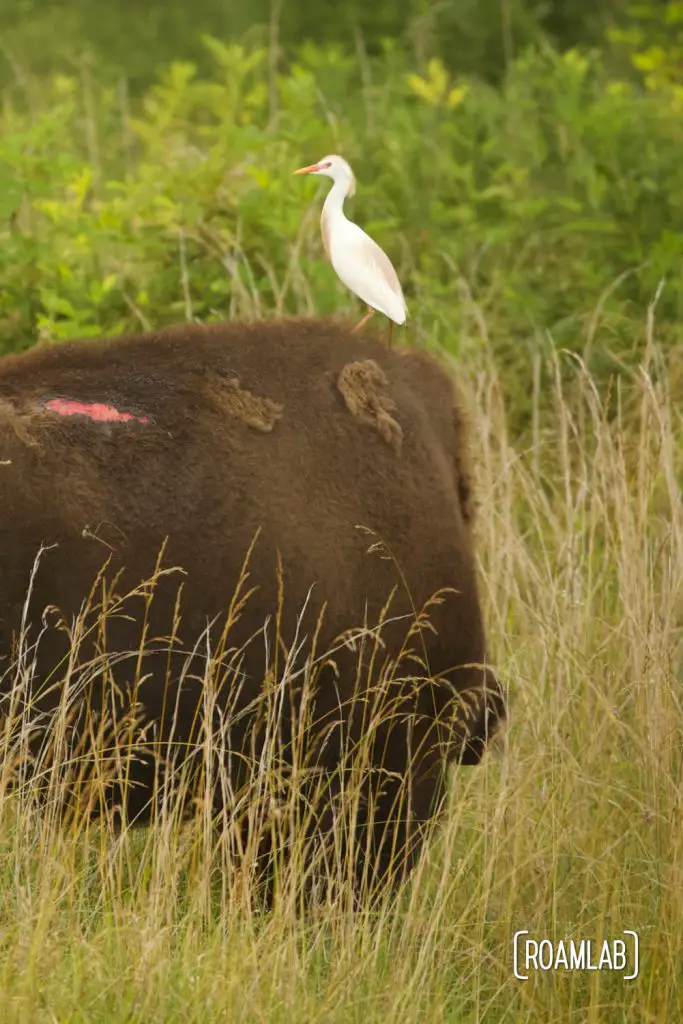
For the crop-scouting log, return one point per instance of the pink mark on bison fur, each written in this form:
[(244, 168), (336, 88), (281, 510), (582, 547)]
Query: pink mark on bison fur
[(93, 410)]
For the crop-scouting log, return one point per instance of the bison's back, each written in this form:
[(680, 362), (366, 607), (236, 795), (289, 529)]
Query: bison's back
[(317, 441)]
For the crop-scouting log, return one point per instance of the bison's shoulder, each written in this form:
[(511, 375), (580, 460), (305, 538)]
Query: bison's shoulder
[(227, 385)]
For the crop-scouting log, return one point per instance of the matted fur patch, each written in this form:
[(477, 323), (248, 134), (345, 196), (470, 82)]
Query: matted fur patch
[(364, 387), (259, 413)]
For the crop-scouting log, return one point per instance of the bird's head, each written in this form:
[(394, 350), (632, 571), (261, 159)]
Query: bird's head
[(334, 167)]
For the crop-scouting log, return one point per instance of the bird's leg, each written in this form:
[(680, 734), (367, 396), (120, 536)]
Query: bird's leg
[(365, 319), (391, 331)]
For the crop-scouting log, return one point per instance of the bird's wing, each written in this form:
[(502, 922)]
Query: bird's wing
[(325, 232), (367, 271)]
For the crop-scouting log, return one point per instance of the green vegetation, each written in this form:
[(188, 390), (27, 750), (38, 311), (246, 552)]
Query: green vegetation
[(126, 38), (531, 197), (548, 210)]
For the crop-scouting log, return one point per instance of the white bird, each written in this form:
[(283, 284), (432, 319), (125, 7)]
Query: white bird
[(359, 262)]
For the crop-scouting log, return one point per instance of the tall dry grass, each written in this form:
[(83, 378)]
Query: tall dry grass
[(572, 827)]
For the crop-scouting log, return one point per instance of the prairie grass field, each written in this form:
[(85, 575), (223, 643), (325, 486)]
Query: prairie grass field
[(532, 205), (570, 828)]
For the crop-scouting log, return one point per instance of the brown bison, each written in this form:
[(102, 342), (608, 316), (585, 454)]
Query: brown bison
[(204, 524)]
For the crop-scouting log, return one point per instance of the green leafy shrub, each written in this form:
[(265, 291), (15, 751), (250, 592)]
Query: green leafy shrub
[(543, 213)]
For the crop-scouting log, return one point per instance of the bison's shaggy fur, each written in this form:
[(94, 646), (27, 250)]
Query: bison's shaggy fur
[(336, 468)]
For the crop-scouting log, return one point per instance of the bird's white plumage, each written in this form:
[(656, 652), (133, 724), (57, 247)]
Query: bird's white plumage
[(358, 261), (365, 269)]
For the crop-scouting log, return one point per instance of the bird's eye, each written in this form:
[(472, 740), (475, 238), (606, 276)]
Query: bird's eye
[(328, 164)]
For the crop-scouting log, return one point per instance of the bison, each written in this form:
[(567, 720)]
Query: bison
[(203, 522)]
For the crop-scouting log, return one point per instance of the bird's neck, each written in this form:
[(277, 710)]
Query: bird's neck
[(334, 202)]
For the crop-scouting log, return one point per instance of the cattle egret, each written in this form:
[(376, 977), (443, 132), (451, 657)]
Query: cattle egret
[(359, 262)]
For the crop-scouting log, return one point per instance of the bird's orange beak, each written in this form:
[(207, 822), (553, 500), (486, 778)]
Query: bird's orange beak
[(307, 170)]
